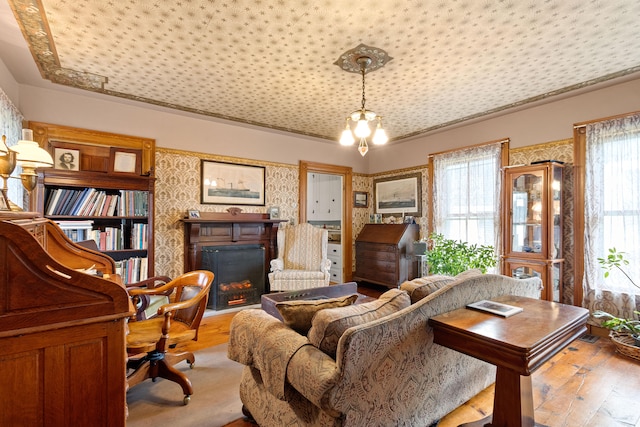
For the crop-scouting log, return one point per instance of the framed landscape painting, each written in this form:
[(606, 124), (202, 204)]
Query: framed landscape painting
[(398, 195), (232, 184)]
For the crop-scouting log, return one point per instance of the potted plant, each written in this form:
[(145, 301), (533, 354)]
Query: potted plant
[(621, 325), (615, 259), (451, 257), (618, 325)]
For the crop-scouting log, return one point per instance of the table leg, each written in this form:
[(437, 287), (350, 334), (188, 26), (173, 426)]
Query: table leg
[(513, 400)]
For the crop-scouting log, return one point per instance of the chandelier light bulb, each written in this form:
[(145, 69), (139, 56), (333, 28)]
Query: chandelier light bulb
[(362, 128), (380, 136), (347, 137)]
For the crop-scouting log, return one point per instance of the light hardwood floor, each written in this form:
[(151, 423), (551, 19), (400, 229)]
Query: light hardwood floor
[(587, 384)]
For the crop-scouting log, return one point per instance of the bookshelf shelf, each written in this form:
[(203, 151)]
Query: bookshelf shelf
[(94, 202)]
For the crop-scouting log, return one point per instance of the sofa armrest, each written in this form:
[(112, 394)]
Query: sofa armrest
[(313, 374), (260, 340)]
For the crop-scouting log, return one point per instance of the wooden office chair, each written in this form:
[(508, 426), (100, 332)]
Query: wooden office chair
[(177, 322), (146, 305)]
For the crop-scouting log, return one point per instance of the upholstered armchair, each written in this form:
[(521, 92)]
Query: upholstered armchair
[(302, 261)]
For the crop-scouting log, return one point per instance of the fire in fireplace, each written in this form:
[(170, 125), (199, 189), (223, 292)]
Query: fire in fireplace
[(239, 274)]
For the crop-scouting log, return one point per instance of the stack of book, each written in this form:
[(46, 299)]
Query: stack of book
[(92, 202), (133, 269)]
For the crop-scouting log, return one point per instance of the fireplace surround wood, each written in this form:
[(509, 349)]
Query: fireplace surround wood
[(222, 229)]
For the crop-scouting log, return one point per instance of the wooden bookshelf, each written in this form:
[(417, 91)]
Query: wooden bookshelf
[(111, 191)]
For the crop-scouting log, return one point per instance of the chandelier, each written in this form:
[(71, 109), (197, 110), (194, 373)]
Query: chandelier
[(363, 59)]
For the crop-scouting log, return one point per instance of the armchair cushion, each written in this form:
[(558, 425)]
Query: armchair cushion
[(298, 314), (303, 248), (328, 325)]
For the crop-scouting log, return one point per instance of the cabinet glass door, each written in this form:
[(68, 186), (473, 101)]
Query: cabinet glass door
[(525, 272), (526, 213), (556, 212)]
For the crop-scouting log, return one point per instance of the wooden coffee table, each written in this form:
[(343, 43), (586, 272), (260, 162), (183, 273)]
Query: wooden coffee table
[(517, 345), (268, 301)]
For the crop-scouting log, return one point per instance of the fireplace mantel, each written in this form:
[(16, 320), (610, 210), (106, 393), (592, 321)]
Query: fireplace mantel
[(224, 229)]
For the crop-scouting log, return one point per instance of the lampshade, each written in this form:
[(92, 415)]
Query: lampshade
[(30, 154)]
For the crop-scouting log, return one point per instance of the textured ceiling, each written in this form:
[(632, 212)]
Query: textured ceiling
[(271, 63)]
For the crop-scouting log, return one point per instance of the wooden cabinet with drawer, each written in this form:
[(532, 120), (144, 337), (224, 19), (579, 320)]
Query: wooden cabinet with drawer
[(384, 254), (334, 253)]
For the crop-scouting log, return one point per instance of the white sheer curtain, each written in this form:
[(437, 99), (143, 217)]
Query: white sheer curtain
[(467, 194), (612, 212), (11, 127)]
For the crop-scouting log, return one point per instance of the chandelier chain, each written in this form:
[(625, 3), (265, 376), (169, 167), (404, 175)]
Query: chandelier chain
[(362, 69)]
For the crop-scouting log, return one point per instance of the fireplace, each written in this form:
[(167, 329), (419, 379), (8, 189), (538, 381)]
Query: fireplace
[(239, 274)]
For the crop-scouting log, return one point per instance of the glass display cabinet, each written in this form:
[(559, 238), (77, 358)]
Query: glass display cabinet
[(533, 225)]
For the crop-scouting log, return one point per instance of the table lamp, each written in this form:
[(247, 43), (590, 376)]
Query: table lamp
[(29, 155)]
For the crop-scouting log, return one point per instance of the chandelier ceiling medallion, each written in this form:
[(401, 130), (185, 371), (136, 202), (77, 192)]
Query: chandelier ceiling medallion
[(363, 59)]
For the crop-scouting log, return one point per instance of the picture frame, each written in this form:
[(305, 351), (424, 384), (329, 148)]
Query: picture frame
[(225, 183), (360, 199), (274, 212), (66, 159), (398, 195), (193, 214), (125, 161)]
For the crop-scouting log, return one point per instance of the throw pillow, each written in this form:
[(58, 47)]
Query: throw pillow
[(298, 314), (327, 326), (423, 286)]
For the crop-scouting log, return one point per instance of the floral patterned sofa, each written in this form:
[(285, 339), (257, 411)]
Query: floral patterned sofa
[(385, 372)]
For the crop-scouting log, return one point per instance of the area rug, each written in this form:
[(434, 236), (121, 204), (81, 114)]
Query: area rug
[(215, 401)]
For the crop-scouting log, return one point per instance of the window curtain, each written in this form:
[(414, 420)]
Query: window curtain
[(11, 127), (466, 195), (612, 213)]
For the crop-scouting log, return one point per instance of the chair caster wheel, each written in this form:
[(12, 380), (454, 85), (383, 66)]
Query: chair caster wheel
[(186, 399), (191, 365)]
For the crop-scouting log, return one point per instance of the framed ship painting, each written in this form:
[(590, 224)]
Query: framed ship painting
[(231, 184), (398, 195)]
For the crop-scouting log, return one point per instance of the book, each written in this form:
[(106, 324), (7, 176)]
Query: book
[(504, 310)]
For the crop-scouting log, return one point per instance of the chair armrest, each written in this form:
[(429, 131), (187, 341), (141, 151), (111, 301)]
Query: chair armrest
[(325, 265), (277, 265), (174, 306), (152, 282)]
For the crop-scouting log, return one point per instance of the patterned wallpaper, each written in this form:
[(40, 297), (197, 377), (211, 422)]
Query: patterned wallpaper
[(178, 190)]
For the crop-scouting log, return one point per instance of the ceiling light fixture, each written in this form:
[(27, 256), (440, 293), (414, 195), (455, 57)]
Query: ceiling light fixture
[(363, 59)]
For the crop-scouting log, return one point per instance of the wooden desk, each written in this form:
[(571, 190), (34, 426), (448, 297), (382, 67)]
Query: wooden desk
[(517, 345), (62, 337)]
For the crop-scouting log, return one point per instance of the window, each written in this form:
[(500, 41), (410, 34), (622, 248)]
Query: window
[(11, 127), (612, 200), (467, 194)]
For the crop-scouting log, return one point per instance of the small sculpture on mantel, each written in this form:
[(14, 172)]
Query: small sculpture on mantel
[(234, 211)]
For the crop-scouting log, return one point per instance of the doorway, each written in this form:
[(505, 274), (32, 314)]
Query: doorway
[(347, 214)]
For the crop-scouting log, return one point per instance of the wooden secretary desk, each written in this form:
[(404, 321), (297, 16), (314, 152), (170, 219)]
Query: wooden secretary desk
[(62, 332)]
